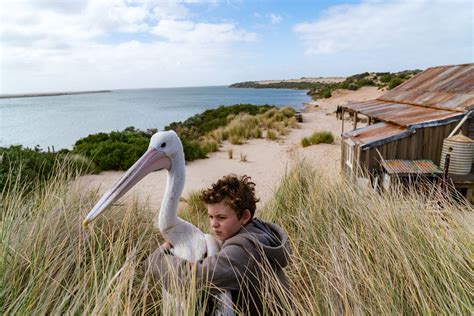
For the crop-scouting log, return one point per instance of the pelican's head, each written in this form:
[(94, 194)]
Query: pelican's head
[(165, 150), (166, 142)]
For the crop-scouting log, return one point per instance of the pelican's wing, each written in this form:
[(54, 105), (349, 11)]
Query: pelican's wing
[(188, 241)]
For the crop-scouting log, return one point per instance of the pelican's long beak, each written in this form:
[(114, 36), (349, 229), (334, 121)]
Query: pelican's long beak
[(151, 160)]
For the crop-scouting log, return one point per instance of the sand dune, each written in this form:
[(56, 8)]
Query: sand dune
[(266, 161)]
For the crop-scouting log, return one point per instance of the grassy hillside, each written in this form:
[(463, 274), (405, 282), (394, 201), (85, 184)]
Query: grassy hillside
[(353, 252)]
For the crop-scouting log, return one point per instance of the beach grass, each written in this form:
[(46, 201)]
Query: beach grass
[(242, 127), (353, 251), (243, 157), (317, 138)]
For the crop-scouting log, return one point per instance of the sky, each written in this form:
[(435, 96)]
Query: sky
[(77, 45)]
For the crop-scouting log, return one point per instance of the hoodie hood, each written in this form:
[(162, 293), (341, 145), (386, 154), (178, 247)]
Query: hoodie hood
[(270, 237)]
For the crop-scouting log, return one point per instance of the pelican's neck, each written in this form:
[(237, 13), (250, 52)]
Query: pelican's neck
[(176, 178)]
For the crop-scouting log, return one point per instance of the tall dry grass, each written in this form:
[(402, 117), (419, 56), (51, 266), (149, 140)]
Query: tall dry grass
[(361, 252), (354, 252), (243, 126)]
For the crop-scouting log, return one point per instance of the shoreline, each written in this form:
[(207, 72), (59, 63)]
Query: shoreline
[(49, 94)]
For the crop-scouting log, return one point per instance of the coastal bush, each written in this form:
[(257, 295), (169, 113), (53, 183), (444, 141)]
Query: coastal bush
[(212, 119), (235, 140), (353, 251), (244, 126), (27, 167), (271, 135), (224, 123), (322, 137), (115, 150), (305, 142), (210, 145), (317, 138), (394, 82)]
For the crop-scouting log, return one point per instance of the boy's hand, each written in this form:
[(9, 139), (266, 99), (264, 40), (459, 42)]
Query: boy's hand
[(166, 245)]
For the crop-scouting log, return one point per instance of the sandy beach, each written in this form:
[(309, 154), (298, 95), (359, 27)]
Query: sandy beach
[(266, 161)]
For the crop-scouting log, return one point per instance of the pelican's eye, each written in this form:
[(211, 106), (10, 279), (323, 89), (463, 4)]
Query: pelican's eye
[(163, 145)]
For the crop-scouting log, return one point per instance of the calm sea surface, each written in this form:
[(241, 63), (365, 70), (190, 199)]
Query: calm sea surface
[(61, 120)]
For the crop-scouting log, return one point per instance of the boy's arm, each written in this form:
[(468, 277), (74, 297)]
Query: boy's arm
[(224, 270)]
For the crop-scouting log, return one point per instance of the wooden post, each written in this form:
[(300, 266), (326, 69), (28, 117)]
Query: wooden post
[(342, 121), (355, 120)]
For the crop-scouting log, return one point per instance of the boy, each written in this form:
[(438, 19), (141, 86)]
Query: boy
[(252, 251)]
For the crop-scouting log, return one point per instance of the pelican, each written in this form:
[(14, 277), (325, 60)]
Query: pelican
[(166, 152)]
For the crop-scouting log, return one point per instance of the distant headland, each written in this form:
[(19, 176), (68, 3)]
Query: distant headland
[(48, 94)]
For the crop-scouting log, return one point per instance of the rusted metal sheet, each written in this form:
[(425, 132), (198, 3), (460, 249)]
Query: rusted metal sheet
[(436, 96), (406, 167), (452, 78), (441, 100), (377, 134), (444, 87), (410, 116)]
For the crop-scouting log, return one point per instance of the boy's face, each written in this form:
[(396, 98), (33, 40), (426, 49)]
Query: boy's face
[(224, 221)]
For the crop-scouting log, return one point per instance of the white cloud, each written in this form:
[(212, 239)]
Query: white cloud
[(275, 18), (187, 31), (423, 28), (95, 44)]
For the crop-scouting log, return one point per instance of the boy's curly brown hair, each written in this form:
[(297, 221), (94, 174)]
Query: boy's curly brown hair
[(236, 192)]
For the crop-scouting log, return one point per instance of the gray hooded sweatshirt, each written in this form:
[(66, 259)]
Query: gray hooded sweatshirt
[(250, 264)]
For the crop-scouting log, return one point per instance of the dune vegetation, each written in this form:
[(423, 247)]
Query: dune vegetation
[(318, 90), (317, 138), (201, 134), (353, 251)]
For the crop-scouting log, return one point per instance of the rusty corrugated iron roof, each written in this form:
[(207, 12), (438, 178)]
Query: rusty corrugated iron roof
[(444, 87), (451, 79), (377, 134), (406, 167), (410, 116), (436, 96)]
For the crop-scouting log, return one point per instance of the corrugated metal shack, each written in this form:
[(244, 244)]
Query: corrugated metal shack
[(411, 121)]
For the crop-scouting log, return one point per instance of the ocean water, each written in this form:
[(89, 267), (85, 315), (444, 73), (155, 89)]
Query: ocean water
[(60, 121)]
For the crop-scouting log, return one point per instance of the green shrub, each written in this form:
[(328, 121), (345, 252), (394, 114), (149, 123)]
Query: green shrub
[(235, 140), (193, 149), (305, 142), (317, 138), (212, 119), (322, 137), (326, 93), (271, 135), (26, 167), (394, 82), (114, 151), (210, 145)]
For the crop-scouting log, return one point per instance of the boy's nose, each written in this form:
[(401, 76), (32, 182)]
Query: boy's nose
[(214, 223)]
